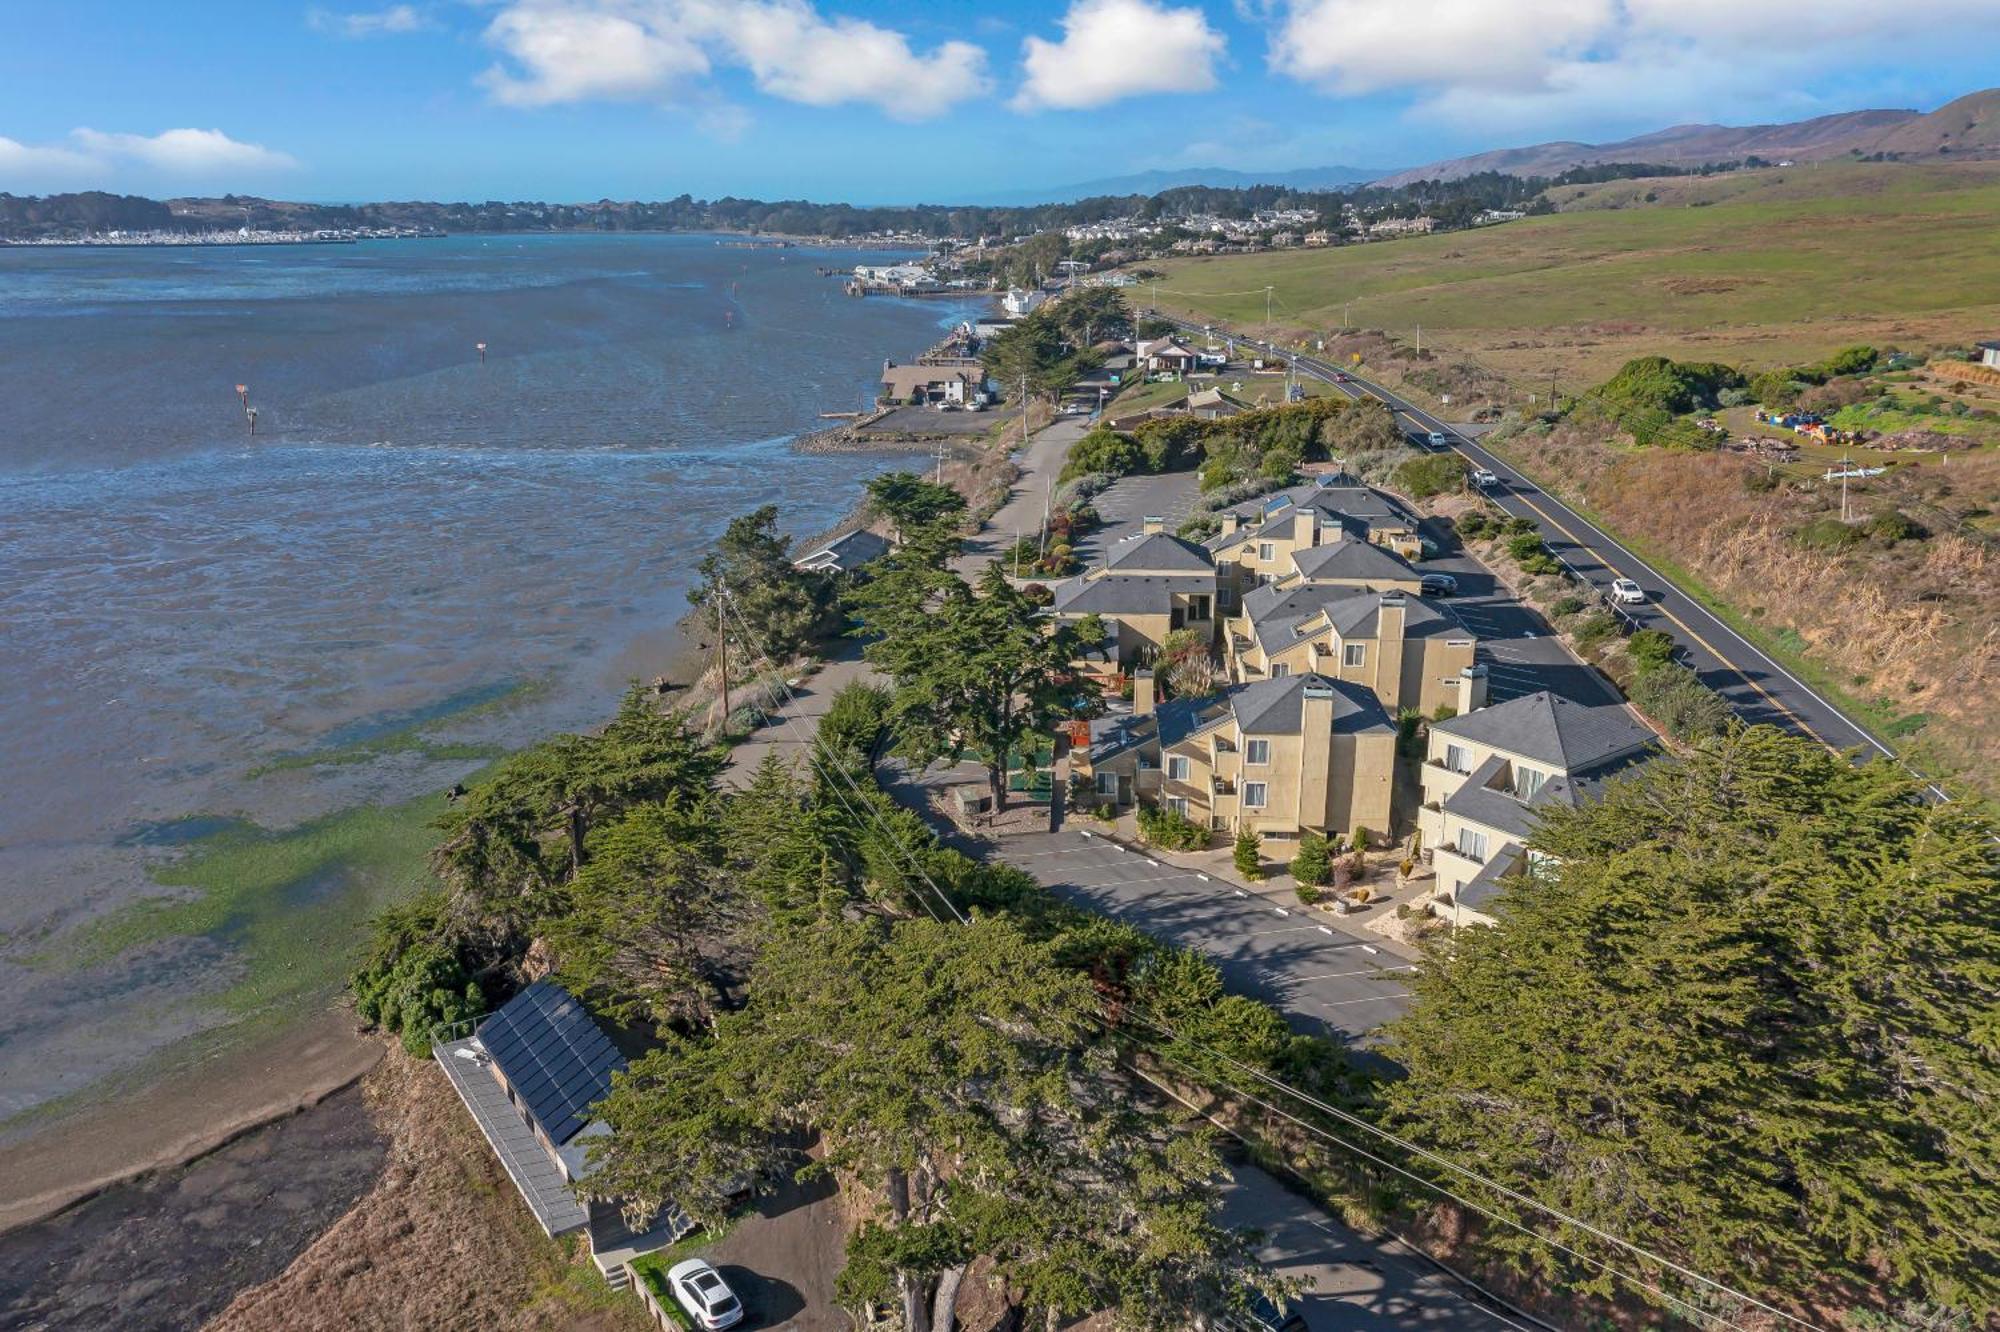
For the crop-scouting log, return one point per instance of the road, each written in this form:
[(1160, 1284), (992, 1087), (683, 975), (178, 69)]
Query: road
[(1758, 688)]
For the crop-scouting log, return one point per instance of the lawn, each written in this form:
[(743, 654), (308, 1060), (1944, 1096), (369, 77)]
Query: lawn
[(1764, 267)]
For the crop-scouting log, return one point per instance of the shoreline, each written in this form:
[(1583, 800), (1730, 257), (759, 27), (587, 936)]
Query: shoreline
[(247, 1083)]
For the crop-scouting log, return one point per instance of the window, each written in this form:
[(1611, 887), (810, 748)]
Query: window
[(1177, 767), (1257, 751), (1253, 795), (1457, 759), (1178, 804), (1354, 654), (1279, 668), (1266, 552), (1527, 782), (1107, 783), (1225, 598), (1197, 608), (1472, 845)]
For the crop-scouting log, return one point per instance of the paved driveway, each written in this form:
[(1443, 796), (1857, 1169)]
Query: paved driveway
[(1353, 1283), (1323, 978)]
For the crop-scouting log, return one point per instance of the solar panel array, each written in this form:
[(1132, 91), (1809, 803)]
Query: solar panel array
[(554, 1055)]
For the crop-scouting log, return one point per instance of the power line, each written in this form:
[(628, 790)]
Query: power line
[(1348, 1117), (813, 757), (1321, 1132)]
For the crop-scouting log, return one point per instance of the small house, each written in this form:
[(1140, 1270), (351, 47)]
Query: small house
[(1989, 355)]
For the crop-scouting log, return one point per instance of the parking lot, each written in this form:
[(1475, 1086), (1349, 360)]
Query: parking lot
[(1323, 977)]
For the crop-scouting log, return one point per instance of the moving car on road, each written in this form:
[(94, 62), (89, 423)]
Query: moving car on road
[(701, 1291), (1437, 439), (1437, 585), (1484, 478), (1627, 593)]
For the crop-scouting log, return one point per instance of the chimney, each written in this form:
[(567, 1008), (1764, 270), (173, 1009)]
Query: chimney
[(1142, 693), (1471, 689), (1316, 753), (1390, 621), (1304, 523), (1230, 522), (1152, 524)]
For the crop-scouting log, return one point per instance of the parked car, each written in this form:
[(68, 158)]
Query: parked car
[(1268, 1317), (1484, 478), (700, 1290), (1437, 585), (1627, 593), (1076, 409), (1437, 439)]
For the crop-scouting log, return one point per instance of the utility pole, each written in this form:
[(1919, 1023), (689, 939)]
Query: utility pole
[(941, 453), (1024, 410), (1845, 468), (1267, 311), (1048, 502), (722, 649), (1420, 339)]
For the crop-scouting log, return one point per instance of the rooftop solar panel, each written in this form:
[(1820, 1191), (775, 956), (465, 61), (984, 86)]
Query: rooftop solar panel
[(554, 1055)]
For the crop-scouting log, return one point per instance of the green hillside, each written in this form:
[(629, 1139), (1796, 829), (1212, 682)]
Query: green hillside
[(1761, 267)]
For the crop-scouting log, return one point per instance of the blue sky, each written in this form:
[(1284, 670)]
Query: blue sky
[(894, 100)]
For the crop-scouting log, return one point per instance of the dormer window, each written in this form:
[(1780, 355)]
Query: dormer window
[(1528, 782)]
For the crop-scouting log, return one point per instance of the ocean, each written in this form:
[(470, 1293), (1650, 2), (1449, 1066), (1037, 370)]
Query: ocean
[(209, 638)]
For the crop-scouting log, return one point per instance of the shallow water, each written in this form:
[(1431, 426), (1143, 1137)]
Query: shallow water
[(411, 536)]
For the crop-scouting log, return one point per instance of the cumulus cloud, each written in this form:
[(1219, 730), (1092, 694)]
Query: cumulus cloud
[(1544, 63), (89, 156), (1112, 49), (577, 50), (367, 23)]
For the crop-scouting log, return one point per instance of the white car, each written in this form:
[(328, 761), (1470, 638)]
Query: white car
[(1438, 440), (707, 1298), (1627, 593), (1484, 478)]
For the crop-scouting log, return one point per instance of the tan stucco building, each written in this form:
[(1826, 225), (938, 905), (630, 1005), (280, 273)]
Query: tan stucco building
[(1259, 537), (1274, 757), (1409, 651), (1148, 586), (1490, 772)]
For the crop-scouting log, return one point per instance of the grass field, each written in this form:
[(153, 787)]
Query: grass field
[(1763, 268)]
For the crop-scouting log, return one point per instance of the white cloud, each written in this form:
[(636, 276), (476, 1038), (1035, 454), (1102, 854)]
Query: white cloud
[(182, 152), (1556, 64), (1363, 46), (573, 53), (367, 23), (90, 158), (578, 50), (1111, 49)]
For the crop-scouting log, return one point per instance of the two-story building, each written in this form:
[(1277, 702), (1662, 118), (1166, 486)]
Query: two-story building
[(1490, 773), (1275, 757), (1148, 586), (1407, 651)]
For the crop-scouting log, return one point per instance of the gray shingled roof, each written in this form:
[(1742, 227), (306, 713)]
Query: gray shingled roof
[(1276, 614), (1353, 507), (1276, 707), (1117, 594), (1158, 550), (1545, 728), (1487, 796), (1491, 879), (1351, 560)]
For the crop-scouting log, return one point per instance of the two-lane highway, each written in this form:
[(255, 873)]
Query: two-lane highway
[(1757, 687)]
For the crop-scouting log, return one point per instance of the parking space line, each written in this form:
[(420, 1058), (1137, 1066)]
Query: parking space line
[(1371, 999), (1365, 971)]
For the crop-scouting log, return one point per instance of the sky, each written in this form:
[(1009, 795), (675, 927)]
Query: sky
[(897, 101)]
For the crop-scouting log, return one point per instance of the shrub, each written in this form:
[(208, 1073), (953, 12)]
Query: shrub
[(1474, 525), (1566, 605), (1651, 647), (1170, 829), (1827, 534), (1891, 526), (1672, 696), (1310, 893), (1517, 525), (1593, 629), (1249, 862), (1431, 475), (1103, 450), (1312, 863), (1760, 482), (1524, 545), (413, 979)]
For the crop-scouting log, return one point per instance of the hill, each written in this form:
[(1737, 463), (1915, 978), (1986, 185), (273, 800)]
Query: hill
[(1224, 178), (1764, 267), (1968, 126)]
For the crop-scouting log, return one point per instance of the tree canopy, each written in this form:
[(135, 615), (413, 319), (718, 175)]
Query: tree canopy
[(782, 607), (1746, 1012)]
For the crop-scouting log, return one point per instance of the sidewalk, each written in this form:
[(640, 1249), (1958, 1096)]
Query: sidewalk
[(1021, 515)]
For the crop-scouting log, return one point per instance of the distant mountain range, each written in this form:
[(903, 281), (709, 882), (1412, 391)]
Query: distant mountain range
[(1968, 127), (1220, 178)]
